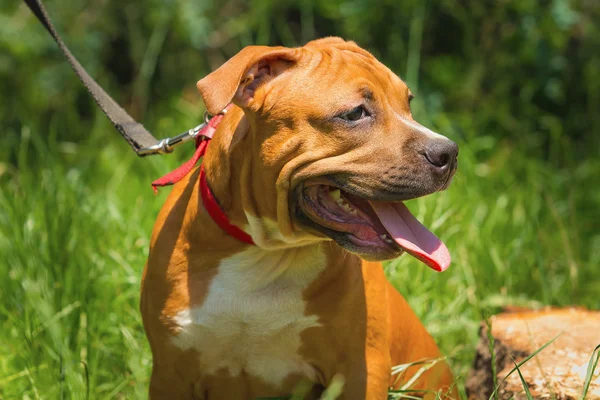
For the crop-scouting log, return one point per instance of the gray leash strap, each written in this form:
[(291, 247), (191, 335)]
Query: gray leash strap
[(140, 140)]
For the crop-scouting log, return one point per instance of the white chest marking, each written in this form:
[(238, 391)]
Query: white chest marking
[(253, 314)]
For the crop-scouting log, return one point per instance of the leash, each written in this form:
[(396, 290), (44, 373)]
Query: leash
[(140, 140)]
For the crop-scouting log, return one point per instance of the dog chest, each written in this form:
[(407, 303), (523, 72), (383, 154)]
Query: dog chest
[(253, 315)]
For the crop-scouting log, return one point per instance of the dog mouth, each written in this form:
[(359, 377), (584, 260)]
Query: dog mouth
[(371, 228)]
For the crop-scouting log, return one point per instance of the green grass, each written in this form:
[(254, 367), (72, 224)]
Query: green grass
[(591, 370), (75, 219)]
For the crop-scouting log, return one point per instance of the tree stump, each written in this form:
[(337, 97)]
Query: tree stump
[(557, 372)]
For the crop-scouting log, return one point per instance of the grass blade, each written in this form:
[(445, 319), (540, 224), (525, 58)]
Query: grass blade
[(395, 395), (335, 388), (590, 371), (494, 393), (525, 386), (418, 374), (491, 345)]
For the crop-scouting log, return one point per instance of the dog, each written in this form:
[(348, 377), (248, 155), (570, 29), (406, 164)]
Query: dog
[(312, 163)]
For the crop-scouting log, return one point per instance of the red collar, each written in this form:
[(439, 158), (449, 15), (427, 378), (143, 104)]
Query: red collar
[(208, 199)]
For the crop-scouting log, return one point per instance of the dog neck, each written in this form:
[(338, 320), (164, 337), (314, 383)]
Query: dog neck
[(203, 244), (254, 197)]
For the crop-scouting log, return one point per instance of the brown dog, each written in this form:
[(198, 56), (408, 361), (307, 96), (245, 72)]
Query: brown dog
[(313, 162)]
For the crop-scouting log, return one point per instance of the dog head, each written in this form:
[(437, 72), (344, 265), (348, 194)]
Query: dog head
[(332, 150)]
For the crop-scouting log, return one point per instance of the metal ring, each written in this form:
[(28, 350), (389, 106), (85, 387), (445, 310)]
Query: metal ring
[(207, 117)]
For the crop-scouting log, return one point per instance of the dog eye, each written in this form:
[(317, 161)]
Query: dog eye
[(355, 114)]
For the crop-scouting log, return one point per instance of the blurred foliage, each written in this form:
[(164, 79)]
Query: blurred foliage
[(526, 71)]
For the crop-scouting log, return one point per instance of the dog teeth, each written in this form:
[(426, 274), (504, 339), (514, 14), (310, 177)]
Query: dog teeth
[(386, 238), (335, 194), (345, 206), (340, 201)]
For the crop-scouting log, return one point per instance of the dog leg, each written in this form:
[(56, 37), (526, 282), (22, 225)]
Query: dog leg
[(168, 383), (411, 342)]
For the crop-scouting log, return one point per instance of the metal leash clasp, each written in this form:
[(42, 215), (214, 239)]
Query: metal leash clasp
[(166, 145)]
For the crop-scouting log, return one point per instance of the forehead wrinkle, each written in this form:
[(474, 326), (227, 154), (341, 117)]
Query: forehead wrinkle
[(334, 68), (352, 58), (396, 91), (334, 64), (323, 68), (378, 74), (316, 80)]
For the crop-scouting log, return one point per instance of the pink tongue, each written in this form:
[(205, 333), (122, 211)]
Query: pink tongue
[(411, 235)]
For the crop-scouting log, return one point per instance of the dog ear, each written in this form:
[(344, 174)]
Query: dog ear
[(239, 77)]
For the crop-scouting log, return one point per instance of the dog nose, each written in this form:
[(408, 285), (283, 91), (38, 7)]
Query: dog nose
[(441, 153)]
